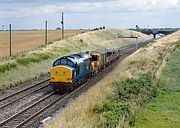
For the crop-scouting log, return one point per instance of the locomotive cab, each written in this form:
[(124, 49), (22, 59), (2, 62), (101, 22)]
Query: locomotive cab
[(63, 70)]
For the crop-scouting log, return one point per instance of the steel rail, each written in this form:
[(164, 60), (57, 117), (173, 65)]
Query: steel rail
[(40, 111), (20, 91), (33, 91), (22, 111)]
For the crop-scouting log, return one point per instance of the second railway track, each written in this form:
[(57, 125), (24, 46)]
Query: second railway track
[(23, 92), (17, 119)]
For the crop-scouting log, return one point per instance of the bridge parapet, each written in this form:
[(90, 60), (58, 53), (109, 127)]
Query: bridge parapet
[(156, 31)]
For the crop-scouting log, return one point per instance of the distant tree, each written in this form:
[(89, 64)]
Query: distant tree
[(137, 27), (104, 27), (96, 29), (58, 28)]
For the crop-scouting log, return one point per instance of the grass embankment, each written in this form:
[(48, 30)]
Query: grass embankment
[(164, 111), (35, 63), (116, 100)]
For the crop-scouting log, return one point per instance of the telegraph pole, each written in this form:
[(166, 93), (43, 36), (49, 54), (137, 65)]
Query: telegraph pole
[(62, 23), (10, 41), (46, 32)]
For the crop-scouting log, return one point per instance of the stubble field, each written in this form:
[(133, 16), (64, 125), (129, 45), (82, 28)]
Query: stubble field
[(25, 40)]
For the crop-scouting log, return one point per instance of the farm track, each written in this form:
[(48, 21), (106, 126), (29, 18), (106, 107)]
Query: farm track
[(32, 115)]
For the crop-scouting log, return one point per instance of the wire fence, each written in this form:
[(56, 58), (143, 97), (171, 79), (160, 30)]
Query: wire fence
[(23, 41)]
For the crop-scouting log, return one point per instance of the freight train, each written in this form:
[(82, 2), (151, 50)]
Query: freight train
[(69, 72)]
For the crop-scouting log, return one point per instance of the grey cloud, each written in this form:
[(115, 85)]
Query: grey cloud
[(83, 13), (48, 1)]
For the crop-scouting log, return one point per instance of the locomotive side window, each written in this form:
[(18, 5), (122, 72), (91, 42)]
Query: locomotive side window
[(56, 63), (63, 61), (85, 67), (94, 57), (78, 70), (109, 54), (70, 63)]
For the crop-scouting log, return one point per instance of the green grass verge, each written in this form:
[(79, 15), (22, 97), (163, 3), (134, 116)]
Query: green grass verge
[(129, 93), (38, 58), (164, 111)]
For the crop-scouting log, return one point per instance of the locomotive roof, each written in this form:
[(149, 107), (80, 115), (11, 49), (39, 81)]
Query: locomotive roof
[(77, 58)]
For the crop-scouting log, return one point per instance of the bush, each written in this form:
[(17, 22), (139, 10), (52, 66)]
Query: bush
[(127, 92), (26, 61), (7, 67), (37, 58), (43, 57), (112, 111), (131, 87)]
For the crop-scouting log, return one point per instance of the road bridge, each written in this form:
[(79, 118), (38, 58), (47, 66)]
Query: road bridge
[(156, 31)]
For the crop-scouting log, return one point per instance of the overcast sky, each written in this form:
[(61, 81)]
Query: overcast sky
[(30, 14)]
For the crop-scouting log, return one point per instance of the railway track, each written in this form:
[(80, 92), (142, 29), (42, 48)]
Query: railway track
[(18, 119), (33, 114), (16, 96)]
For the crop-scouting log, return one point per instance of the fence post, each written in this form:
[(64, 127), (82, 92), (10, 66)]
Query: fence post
[(46, 32), (10, 41), (62, 22)]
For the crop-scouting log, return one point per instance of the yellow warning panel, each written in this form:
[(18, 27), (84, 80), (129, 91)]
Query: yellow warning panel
[(61, 74)]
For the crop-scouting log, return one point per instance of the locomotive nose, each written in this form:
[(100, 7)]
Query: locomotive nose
[(61, 74)]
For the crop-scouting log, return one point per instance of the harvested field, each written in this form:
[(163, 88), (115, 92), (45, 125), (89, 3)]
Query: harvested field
[(25, 40)]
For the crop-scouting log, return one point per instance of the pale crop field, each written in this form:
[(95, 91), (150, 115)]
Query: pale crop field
[(25, 40)]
